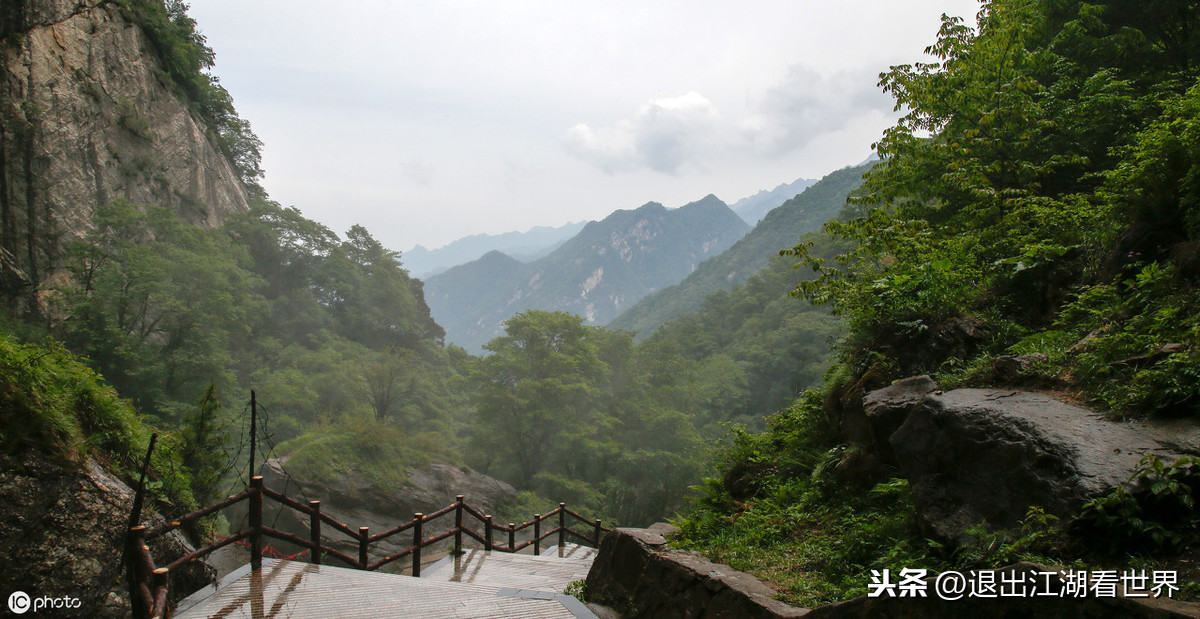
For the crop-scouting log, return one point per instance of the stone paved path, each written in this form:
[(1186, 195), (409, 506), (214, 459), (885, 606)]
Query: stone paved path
[(551, 572), (478, 584)]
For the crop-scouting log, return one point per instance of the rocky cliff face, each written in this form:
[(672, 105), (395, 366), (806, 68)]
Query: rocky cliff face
[(87, 117), (61, 534)]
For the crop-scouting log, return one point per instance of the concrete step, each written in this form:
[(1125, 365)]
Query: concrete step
[(550, 572), (300, 590)]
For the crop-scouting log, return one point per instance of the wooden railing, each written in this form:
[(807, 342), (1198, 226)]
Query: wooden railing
[(149, 584)]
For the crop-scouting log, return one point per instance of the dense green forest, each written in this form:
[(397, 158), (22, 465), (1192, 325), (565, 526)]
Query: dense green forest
[(779, 228), (1042, 182), (334, 336)]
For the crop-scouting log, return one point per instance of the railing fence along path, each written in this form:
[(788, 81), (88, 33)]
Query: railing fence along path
[(149, 584)]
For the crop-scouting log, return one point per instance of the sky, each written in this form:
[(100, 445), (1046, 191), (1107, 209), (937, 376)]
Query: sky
[(427, 121)]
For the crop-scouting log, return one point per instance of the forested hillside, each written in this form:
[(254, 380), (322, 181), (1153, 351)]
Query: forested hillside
[(778, 230), (525, 246), (184, 315), (1036, 198), (605, 268), (754, 208)]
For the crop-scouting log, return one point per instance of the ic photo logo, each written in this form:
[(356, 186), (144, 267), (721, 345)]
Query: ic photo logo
[(20, 603)]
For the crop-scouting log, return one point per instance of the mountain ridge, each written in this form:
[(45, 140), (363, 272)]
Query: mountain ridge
[(777, 230), (606, 267), (525, 246), (754, 208)]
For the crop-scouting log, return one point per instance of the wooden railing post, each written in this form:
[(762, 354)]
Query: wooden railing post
[(133, 572), (162, 585), (487, 532), (562, 525), (363, 535), (139, 497), (314, 531), (596, 532), (537, 534), (418, 539), (458, 510), (512, 537), (256, 522)]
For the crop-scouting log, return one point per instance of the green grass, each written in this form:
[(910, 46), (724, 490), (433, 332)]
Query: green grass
[(381, 452), (50, 401)]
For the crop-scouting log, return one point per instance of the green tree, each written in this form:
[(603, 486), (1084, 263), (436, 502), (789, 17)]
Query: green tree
[(537, 383), (203, 437), (157, 305)]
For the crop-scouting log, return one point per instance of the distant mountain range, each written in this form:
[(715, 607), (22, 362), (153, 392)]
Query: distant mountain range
[(601, 271), (781, 228), (753, 208), (524, 246)]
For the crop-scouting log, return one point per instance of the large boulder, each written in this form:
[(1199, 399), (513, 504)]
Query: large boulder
[(984, 456), (637, 573), (62, 528)]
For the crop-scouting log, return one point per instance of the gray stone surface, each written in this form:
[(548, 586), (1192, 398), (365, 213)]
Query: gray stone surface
[(636, 573), (985, 455), (89, 118), (1015, 368), (61, 533)]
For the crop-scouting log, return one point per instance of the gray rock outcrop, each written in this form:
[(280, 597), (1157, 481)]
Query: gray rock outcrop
[(638, 574), (62, 528), (985, 456)]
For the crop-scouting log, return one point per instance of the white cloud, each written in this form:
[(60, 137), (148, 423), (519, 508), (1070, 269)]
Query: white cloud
[(420, 171), (663, 136), (808, 104)]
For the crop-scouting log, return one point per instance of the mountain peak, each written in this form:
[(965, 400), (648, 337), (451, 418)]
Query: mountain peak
[(605, 268), (709, 201)]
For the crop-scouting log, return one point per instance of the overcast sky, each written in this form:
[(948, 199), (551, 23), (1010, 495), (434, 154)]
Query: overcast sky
[(429, 121)]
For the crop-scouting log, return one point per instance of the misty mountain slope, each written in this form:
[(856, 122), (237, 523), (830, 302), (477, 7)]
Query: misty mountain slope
[(526, 246), (604, 269), (779, 229), (754, 208)]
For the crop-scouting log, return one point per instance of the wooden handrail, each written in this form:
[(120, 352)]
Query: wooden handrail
[(331, 521), (285, 500), (206, 550), (148, 583), (439, 513), (475, 536), (474, 512), (393, 531), (167, 527), (287, 537)]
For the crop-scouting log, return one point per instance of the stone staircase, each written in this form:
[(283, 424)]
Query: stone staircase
[(474, 584)]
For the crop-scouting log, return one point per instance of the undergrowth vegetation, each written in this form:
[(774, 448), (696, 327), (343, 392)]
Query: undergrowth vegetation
[(784, 512), (52, 402)]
